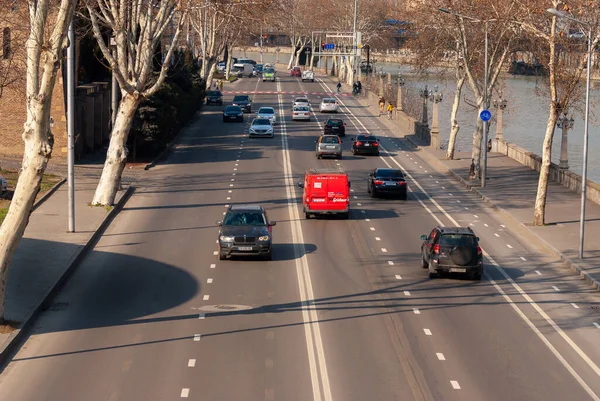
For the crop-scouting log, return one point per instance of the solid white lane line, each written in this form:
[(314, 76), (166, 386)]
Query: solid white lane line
[(427, 332), (391, 263), (407, 293), (398, 277), (377, 239), (416, 311), (314, 342), (555, 288), (508, 245), (201, 316), (574, 305), (455, 384), (440, 356), (197, 337), (383, 250), (206, 297), (191, 363), (209, 281), (213, 265), (538, 273), (497, 235), (185, 392), (597, 325)]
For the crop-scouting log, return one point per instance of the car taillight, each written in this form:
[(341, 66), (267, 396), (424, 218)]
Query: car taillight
[(378, 182), (401, 182), (375, 144), (436, 248), (358, 143), (479, 251)]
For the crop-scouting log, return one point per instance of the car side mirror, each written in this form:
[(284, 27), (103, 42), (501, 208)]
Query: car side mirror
[(300, 185), (424, 237), (272, 223), (219, 223), (477, 238)]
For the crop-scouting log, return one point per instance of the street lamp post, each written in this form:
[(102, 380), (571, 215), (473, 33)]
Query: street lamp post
[(424, 93), (559, 14), (565, 123), (400, 82), (435, 97), (500, 105)]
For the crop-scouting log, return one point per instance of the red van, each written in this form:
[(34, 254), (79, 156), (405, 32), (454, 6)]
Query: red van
[(326, 192)]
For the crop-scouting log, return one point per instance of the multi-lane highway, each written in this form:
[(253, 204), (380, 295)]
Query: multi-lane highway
[(343, 312)]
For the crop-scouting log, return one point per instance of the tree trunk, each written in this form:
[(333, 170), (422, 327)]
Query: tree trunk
[(228, 65), (35, 159), (455, 126), (294, 42), (539, 211), (211, 73), (476, 152), (117, 152)]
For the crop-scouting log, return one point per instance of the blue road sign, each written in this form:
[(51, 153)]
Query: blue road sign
[(329, 46), (485, 115)]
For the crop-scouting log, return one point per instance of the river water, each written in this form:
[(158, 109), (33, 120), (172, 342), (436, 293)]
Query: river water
[(525, 117)]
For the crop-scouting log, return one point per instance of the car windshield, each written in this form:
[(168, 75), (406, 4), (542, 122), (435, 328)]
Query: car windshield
[(268, 70), (389, 174), (457, 240), (232, 109), (213, 93), (301, 108), (240, 99), (266, 110), (335, 123), (328, 100), (261, 121), (245, 219), (329, 139)]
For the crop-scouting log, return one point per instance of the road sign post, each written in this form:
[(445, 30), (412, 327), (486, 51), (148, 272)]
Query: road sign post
[(485, 116)]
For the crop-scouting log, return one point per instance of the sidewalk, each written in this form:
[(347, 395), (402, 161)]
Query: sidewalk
[(47, 253), (511, 189)]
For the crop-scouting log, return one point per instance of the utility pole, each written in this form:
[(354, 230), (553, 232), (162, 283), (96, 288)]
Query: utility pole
[(355, 36), (71, 128)]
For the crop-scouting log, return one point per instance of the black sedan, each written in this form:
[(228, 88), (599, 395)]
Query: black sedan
[(245, 230), (365, 144), (244, 102), (387, 181), (214, 97), (335, 126), (233, 113)]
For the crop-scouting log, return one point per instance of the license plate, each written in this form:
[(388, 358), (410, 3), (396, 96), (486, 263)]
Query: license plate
[(245, 248), (316, 200), (329, 147), (390, 184), (457, 270), (366, 144)]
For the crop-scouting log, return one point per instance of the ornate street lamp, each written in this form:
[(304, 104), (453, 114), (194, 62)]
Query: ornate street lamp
[(400, 82), (565, 123), (500, 105), (435, 97), (424, 94)]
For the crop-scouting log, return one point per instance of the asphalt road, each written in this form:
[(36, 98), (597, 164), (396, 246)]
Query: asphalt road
[(343, 312)]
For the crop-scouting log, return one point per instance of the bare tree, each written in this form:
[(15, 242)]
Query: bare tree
[(137, 29), (563, 81), (48, 23), (12, 54)]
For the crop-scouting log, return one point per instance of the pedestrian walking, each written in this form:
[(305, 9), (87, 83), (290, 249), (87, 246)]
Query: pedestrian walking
[(359, 86), (390, 109), (339, 87), (381, 105), (489, 145), (220, 84)]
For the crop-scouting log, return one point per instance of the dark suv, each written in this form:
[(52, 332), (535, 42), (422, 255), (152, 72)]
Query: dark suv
[(335, 126), (452, 250), (245, 230), (214, 97), (244, 102)]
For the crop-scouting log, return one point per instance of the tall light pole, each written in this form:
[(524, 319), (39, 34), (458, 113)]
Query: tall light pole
[(560, 14), (486, 103), (355, 67), (71, 128)]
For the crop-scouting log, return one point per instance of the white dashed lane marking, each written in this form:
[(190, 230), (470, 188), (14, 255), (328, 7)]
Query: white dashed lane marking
[(440, 356), (597, 325), (538, 273), (201, 316), (574, 305), (398, 277), (455, 384), (209, 281), (185, 392), (497, 235), (215, 253), (555, 288), (206, 297), (383, 250), (416, 311), (407, 293), (359, 204), (475, 216), (367, 219), (372, 228), (427, 332), (523, 259), (191, 363), (197, 337), (390, 263), (508, 245), (377, 239), (485, 224), (213, 266)]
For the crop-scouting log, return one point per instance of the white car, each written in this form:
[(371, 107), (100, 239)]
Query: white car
[(268, 113), (308, 75), (3, 185), (301, 113), (301, 101), (261, 127), (328, 105)]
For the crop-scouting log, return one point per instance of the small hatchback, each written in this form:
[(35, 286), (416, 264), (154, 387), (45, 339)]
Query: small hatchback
[(296, 72), (329, 146), (215, 97), (245, 230), (452, 250), (233, 113), (326, 192), (328, 105)]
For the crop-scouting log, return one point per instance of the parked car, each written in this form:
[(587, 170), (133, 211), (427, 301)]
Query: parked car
[(233, 113), (452, 250), (301, 101), (326, 192), (261, 127), (334, 126), (328, 105), (243, 70), (268, 113), (301, 113), (308, 75), (258, 69), (244, 102), (268, 73), (245, 230), (221, 66), (214, 97), (387, 181), (296, 72), (365, 144), (329, 146), (3, 185)]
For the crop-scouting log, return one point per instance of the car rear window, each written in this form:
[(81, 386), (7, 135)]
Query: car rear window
[(457, 240), (301, 108), (335, 123), (232, 108), (330, 139), (328, 100), (390, 174), (261, 121), (365, 138), (266, 110), (244, 219), (240, 98), (213, 93)]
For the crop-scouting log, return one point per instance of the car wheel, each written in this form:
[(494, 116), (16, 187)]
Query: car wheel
[(224, 120), (476, 276), (404, 196), (345, 215), (307, 215), (312, 80), (269, 255), (222, 257), (373, 193), (432, 273), (353, 151), (377, 154), (319, 156)]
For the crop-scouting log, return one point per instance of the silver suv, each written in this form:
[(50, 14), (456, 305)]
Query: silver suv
[(329, 145)]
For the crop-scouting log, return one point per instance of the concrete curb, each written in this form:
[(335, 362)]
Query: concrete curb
[(507, 215), (48, 194), (13, 343)]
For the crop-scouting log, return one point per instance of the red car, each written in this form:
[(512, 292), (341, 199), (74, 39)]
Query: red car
[(326, 192), (296, 72)]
